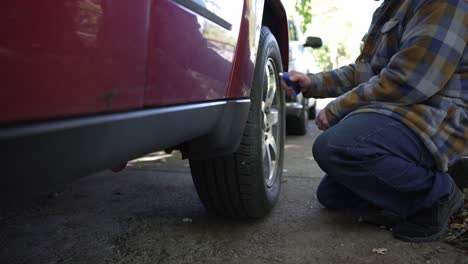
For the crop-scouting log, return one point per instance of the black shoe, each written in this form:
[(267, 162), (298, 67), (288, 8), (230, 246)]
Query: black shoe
[(381, 218), (458, 172), (431, 223)]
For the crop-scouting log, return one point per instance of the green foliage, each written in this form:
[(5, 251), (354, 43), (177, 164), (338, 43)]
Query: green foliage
[(340, 30), (304, 8), (322, 58), (342, 53)]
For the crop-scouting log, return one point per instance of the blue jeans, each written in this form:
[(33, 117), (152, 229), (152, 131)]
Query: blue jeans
[(373, 159)]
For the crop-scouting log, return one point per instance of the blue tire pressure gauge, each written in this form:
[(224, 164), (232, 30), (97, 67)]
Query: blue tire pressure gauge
[(294, 85)]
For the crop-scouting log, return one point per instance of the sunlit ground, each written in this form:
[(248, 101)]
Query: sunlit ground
[(160, 155)]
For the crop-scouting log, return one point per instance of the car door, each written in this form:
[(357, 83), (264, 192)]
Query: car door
[(71, 58), (192, 47)]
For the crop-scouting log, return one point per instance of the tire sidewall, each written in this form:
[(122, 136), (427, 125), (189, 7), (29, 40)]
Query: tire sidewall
[(268, 48)]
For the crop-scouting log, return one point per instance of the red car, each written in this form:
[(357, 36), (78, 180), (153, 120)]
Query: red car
[(91, 84)]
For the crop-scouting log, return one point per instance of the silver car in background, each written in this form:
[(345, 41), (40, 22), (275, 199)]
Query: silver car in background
[(298, 108)]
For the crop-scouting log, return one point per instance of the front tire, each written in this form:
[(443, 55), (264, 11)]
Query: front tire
[(246, 184)]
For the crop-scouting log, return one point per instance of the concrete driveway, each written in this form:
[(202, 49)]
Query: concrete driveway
[(150, 213)]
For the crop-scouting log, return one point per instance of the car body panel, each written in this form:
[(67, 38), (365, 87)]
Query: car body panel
[(82, 57), (191, 56), (246, 50), (40, 155), (246, 53), (71, 58), (89, 84)]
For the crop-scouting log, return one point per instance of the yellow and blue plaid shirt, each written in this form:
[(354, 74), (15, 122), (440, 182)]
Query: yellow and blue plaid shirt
[(414, 68)]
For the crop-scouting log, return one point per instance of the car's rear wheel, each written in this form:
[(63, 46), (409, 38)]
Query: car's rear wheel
[(312, 111), (297, 125), (246, 184)]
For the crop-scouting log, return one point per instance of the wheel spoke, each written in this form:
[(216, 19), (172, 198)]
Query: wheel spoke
[(271, 84), (272, 117), (270, 93), (267, 163), (272, 147)]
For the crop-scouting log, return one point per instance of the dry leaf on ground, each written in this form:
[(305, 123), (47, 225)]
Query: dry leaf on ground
[(380, 251)]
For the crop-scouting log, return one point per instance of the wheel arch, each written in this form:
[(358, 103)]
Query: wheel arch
[(256, 13), (275, 18)]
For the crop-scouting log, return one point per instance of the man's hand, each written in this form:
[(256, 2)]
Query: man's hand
[(322, 121), (301, 79)]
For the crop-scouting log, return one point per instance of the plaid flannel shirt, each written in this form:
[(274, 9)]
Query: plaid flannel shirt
[(414, 68)]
